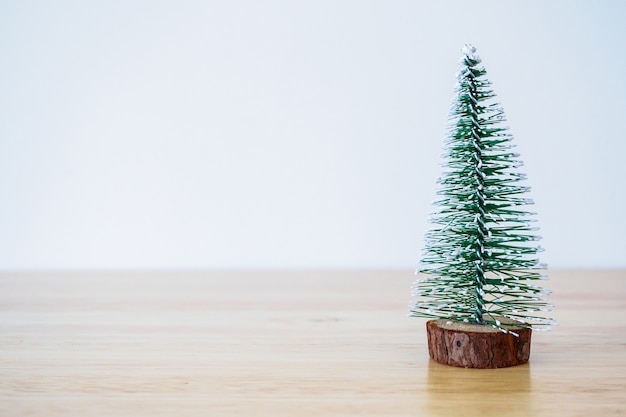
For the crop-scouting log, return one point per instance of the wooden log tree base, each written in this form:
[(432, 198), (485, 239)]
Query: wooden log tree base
[(470, 345)]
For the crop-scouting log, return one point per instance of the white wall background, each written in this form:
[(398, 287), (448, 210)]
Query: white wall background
[(216, 134)]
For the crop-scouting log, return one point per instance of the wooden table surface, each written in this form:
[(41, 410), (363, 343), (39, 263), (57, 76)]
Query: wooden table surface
[(287, 343)]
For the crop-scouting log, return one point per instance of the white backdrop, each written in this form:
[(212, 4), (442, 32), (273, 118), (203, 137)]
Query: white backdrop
[(295, 134)]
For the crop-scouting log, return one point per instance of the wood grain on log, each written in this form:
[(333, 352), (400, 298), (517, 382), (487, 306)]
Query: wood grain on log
[(471, 345)]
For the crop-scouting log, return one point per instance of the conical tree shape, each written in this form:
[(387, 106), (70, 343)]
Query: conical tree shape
[(479, 259)]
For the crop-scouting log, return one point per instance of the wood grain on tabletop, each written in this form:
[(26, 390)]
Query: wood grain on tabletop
[(287, 343)]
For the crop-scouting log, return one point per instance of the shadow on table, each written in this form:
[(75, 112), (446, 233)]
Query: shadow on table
[(478, 392)]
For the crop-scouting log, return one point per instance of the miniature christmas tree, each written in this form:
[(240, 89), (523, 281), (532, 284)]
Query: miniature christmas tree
[(479, 260)]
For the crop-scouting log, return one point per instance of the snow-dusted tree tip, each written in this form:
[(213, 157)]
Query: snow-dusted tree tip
[(470, 52)]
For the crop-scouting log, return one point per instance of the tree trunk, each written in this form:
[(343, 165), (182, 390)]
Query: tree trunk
[(469, 345)]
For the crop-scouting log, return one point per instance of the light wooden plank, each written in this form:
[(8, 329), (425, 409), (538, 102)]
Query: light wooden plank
[(286, 343)]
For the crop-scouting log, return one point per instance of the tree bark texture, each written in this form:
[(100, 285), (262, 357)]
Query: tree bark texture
[(470, 345)]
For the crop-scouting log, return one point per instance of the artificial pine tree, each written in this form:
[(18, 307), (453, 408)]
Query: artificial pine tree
[(479, 260)]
